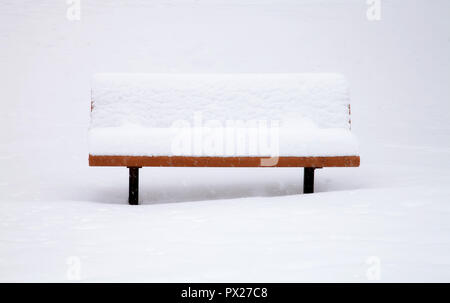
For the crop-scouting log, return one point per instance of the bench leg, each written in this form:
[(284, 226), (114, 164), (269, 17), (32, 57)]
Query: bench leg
[(133, 191), (308, 180)]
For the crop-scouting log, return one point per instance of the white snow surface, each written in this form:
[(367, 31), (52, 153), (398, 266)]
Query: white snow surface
[(221, 141), (148, 114), (159, 100), (390, 216)]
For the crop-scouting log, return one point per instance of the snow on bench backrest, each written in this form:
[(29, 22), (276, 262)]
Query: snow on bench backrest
[(159, 100)]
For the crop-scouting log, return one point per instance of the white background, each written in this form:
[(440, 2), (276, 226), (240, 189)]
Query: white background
[(199, 225)]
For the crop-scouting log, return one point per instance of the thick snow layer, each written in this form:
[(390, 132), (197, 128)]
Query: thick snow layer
[(310, 110), (141, 141), (159, 100), (60, 217)]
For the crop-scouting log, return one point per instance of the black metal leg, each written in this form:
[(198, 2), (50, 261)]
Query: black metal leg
[(133, 192), (308, 180)]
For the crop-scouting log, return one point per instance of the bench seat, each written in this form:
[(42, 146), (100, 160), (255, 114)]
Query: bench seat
[(186, 161), (140, 142)]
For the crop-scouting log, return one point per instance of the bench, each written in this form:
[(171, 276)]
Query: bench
[(221, 120)]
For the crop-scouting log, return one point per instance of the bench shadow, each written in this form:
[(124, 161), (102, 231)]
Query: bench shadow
[(197, 193), (177, 189)]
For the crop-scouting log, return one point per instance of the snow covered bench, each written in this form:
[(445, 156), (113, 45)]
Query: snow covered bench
[(221, 120)]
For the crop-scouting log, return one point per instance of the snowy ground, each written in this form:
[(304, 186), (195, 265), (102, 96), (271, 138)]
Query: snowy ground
[(202, 224)]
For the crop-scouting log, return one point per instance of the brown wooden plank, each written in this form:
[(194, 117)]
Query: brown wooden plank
[(183, 161)]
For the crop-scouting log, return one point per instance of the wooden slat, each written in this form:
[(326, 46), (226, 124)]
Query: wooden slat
[(183, 161)]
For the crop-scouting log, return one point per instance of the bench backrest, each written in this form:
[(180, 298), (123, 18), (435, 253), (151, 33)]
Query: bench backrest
[(158, 100)]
